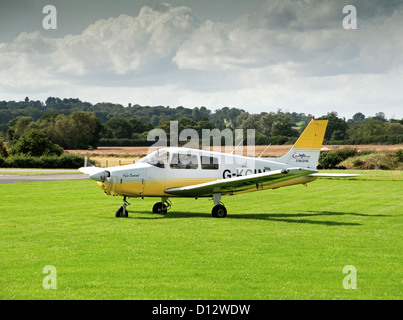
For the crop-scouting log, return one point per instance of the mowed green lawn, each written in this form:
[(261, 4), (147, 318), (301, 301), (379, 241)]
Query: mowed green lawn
[(288, 243)]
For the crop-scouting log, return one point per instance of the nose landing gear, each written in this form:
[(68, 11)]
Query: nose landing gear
[(122, 211)]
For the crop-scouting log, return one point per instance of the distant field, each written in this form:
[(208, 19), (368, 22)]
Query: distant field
[(288, 243), (113, 156)]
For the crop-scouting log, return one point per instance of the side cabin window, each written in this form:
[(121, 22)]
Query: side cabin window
[(158, 159), (184, 161), (209, 163)]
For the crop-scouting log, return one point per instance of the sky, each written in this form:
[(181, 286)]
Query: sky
[(261, 56)]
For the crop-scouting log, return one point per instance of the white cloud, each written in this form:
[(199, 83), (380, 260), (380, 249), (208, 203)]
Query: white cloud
[(114, 46), (285, 54), (307, 34)]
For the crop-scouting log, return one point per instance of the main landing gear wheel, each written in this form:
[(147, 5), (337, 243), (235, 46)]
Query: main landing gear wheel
[(122, 211), (219, 211), (162, 207)]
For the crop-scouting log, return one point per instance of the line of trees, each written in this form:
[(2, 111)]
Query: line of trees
[(73, 124), (80, 130)]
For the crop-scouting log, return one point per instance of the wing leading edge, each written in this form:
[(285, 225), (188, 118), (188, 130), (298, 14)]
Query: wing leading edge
[(239, 184)]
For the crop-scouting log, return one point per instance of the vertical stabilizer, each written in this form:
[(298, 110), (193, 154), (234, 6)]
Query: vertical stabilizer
[(305, 152)]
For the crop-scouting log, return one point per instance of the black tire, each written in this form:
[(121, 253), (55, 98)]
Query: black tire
[(160, 208), (121, 213), (125, 213), (219, 211)]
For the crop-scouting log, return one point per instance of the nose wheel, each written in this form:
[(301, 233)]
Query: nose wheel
[(122, 211)]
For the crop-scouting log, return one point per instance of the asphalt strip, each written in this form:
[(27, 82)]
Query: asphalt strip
[(44, 177)]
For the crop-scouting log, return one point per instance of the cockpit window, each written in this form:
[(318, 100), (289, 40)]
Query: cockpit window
[(158, 159), (184, 161)]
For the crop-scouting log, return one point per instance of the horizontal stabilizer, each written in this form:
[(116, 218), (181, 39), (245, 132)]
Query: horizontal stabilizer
[(333, 175)]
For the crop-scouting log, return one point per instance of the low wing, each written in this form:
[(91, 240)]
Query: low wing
[(333, 175), (237, 184)]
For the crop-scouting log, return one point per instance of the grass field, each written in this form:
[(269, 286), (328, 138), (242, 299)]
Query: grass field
[(289, 243)]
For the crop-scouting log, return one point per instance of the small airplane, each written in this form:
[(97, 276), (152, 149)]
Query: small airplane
[(193, 173)]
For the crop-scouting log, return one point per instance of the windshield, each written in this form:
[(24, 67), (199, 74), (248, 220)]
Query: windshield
[(157, 158)]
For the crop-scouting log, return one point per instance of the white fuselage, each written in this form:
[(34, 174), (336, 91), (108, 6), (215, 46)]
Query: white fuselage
[(177, 167)]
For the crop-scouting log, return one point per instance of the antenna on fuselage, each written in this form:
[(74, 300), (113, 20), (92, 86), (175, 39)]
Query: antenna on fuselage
[(236, 147), (264, 150)]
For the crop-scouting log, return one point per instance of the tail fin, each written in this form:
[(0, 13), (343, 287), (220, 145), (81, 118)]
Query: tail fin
[(305, 152)]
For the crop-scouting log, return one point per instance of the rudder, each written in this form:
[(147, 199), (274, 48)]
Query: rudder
[(305, 152)]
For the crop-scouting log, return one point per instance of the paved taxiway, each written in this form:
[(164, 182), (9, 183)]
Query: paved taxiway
[(59, 175)]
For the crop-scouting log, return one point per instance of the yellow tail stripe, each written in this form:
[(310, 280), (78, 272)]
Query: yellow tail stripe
[(312, 137)]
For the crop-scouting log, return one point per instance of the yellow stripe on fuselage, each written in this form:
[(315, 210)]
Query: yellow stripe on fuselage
[(156, 188), (151, 188)]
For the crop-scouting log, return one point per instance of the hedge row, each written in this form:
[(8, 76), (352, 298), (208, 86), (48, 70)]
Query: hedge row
[(330, 159), (384, 160), (65, 161), (348, 158)]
